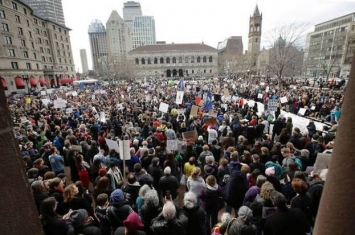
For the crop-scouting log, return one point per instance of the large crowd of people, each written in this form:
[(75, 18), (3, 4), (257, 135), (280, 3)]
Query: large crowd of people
[(241, 172)]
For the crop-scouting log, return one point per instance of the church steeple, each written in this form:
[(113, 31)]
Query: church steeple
[(255, 28), (256, 11)]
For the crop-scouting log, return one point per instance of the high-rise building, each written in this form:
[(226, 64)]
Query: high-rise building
[(98, 42), (48, 9), (131, 9), (255, 23), (142, 27), (330, 48), (143, 31), (118, 39), (84, 61)]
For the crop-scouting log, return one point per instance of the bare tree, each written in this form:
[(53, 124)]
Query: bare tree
[(331, 61), (286, 43)]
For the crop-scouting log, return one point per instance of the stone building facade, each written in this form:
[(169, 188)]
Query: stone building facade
[(175, 60), (34, 52)]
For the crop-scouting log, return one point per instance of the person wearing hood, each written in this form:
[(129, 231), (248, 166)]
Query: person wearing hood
[(311, 127), (241, 225), (131, 226), (155, 171), (172, 220), (196, 215), (118, 211), (80, 223), (211, 201)]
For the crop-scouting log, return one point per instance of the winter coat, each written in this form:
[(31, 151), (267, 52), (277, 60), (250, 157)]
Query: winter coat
[(169, 182), (196, 221), (117, 214), (211, 198), (176, 226)]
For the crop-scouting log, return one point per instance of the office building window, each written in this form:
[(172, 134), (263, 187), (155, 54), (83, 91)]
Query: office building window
[(2, 14), (5, 27), (43, 24), (17, 19), (210, 59), (198, 59), (60, 30), (28, 23), (155, 60), (25, 11), (28, 66), (204, 59), (14, 65), (162, 60), (25, 54), (35, 56), (68, 47), (35, 20), (192, 60), (180, 59), (62, 46), (33, 45), (168, 60), (48, 50), (143, 61), (55, 36), (8, 40), (210, 70), (186, 59), (0, 2), (41, 49), (192, 71), (39, 41), (43, 59), (30, 33), (149, 62), (50, 59), (65, 61), (14, 5), (53, 27), (58, 52), (174, 60), (60, 60), (37, 66), (204, 71), (12, 52), (23, 43), (37, 31)]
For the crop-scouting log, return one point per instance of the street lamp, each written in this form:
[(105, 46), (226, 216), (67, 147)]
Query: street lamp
[(25, 78)]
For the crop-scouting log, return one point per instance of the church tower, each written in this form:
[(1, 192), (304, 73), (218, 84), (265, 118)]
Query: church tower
[(255, 23)]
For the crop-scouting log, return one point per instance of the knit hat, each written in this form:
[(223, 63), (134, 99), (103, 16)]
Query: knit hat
[(133, 223), (78, 217), (102, 172), (270, 171), (245, 213), (116, 197)]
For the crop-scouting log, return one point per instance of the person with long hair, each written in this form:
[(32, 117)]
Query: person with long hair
[(82, 168), (71, 201), (102, 186), (195, 182), (52, 223)]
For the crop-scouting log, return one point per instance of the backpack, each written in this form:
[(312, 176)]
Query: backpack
[(225, 131), (315, 149), (298, 162)]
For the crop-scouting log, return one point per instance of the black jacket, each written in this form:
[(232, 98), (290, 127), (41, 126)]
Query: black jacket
[(117, 214), (176, 226), (156, 173), (169, 182), (289, 221), (131, 193), (196, 221)]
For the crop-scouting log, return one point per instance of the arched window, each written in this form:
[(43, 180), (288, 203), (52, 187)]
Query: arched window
[(155, 60), (174, 60), (149, 62), (198, 59), (210, 59), (186, 59), (168, 60), (137, 61), (180, 59), (162, 60), (204, 59), (192, 59), (143, 61)]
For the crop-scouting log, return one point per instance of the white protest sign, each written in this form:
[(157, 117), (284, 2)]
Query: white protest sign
[(93, 97), (111, 144), (124, 149), (49, 91), (74, 93), (148, 98), (172, 145), (283, 99), (163, 107), (179, 97), (313, 108), (302, 111), (102, 117), (43, 93), (120, 106), (46, 101), (59, 103), (272, 105), (267, 89), (69, 110), (97, 116), (262, 83), (260, 96)]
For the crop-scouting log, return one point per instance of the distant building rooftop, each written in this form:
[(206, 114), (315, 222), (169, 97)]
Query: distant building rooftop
[(175, 47)]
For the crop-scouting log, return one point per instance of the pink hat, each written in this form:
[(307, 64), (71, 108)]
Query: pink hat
[(133, 223), (270, 171)]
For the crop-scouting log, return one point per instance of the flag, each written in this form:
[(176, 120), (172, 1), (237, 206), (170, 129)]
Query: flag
[(81, 86), (208, 101), (181, 85)]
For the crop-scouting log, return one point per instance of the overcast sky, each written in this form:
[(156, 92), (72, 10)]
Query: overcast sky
[(196, 21)]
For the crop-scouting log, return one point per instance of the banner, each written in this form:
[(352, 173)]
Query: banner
[(179, 97), (124, 149), (172, 145), (163, 107), (194, 111)]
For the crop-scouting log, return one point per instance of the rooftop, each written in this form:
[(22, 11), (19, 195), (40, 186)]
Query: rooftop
[(175, 47)]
